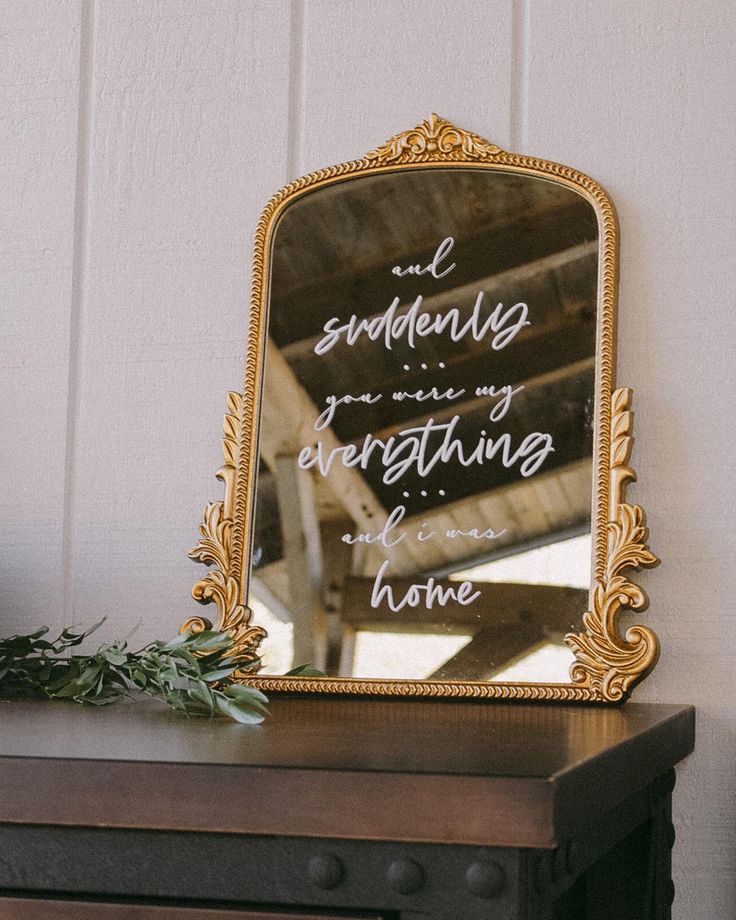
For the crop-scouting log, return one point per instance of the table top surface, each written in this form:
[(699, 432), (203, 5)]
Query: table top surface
[(139, 764), (479, 739)]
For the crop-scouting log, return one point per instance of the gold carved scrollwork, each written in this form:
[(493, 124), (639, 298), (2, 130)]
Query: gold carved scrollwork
[(221, 586), (607, 662), (434, 139)]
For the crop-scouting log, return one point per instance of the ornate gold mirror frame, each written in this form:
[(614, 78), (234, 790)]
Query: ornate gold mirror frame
[(608, 663)]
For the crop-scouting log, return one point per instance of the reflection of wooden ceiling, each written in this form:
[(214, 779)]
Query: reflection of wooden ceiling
[(333, 255), (373, 221)]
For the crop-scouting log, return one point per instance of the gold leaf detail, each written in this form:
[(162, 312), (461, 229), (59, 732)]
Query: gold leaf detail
[(606, 661), (221, 585), (430, 689), (434, 139)]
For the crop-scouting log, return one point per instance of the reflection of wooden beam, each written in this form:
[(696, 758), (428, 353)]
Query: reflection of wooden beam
[(566, 421), (288, 425), (491, 649), (491, 285), (520, 242), (558, 608), (444, 411), (556, 338), (519, 507), (506, 621), (273, 576), (340, 557), (563, 352), (303, 559)]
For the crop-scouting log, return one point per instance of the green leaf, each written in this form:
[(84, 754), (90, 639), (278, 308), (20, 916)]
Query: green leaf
[(244, 692), (177, 642), (114, 655), (305, 670), (232, 710), (204, 696), (218, 675), (176, 672), (209, 639), (89, 674), (67, 691)]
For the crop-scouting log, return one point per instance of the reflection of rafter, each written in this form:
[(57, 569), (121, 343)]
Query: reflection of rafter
[(506, 621), (579, 470), (519, 243), (461, 294), (499, 603), (277, 603), (530, 509), (535, 512), (447, 410), (491, 649), (285, 400)]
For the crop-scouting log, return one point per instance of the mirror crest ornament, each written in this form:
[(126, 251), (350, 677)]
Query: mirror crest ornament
[(608, 663)]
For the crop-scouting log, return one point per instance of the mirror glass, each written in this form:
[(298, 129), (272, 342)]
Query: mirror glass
[(423, 504)]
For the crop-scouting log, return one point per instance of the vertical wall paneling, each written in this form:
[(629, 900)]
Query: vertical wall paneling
[(78, 292), (641, 96), (372, 69), (188, 139), (519, 58), (39, 76)]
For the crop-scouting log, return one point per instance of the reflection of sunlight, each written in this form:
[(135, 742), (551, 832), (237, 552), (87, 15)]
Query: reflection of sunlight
[(403, 656), (277, 649), (549, 663), (564, 563)]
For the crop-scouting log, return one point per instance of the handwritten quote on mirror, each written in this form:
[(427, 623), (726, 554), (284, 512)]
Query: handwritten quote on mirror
[(437, 443)]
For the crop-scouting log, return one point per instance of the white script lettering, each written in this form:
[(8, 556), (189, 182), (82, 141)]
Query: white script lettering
[(442, 250), (324, 420), (506, 393), (430, 593), (504, 322), (476, 534), (410, 449), (424, 395), (384, 536)]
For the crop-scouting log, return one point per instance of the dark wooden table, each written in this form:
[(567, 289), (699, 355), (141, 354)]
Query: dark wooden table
[(339, 809)]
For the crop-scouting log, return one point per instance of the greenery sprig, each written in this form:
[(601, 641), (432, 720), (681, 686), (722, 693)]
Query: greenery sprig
[(192, 673)]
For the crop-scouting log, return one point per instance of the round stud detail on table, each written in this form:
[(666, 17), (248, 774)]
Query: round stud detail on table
[(485, 879), (405, 876), (325, 871)]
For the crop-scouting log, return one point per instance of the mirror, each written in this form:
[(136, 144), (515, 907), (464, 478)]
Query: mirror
[(441, 454)]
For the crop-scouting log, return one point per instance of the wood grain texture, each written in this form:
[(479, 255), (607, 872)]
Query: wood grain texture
[(32, 909), (504, 775), (641, 96), (39, 75)]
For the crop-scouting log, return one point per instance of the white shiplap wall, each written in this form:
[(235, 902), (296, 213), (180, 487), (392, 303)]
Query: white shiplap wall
[(40, 61), (140, 139)]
